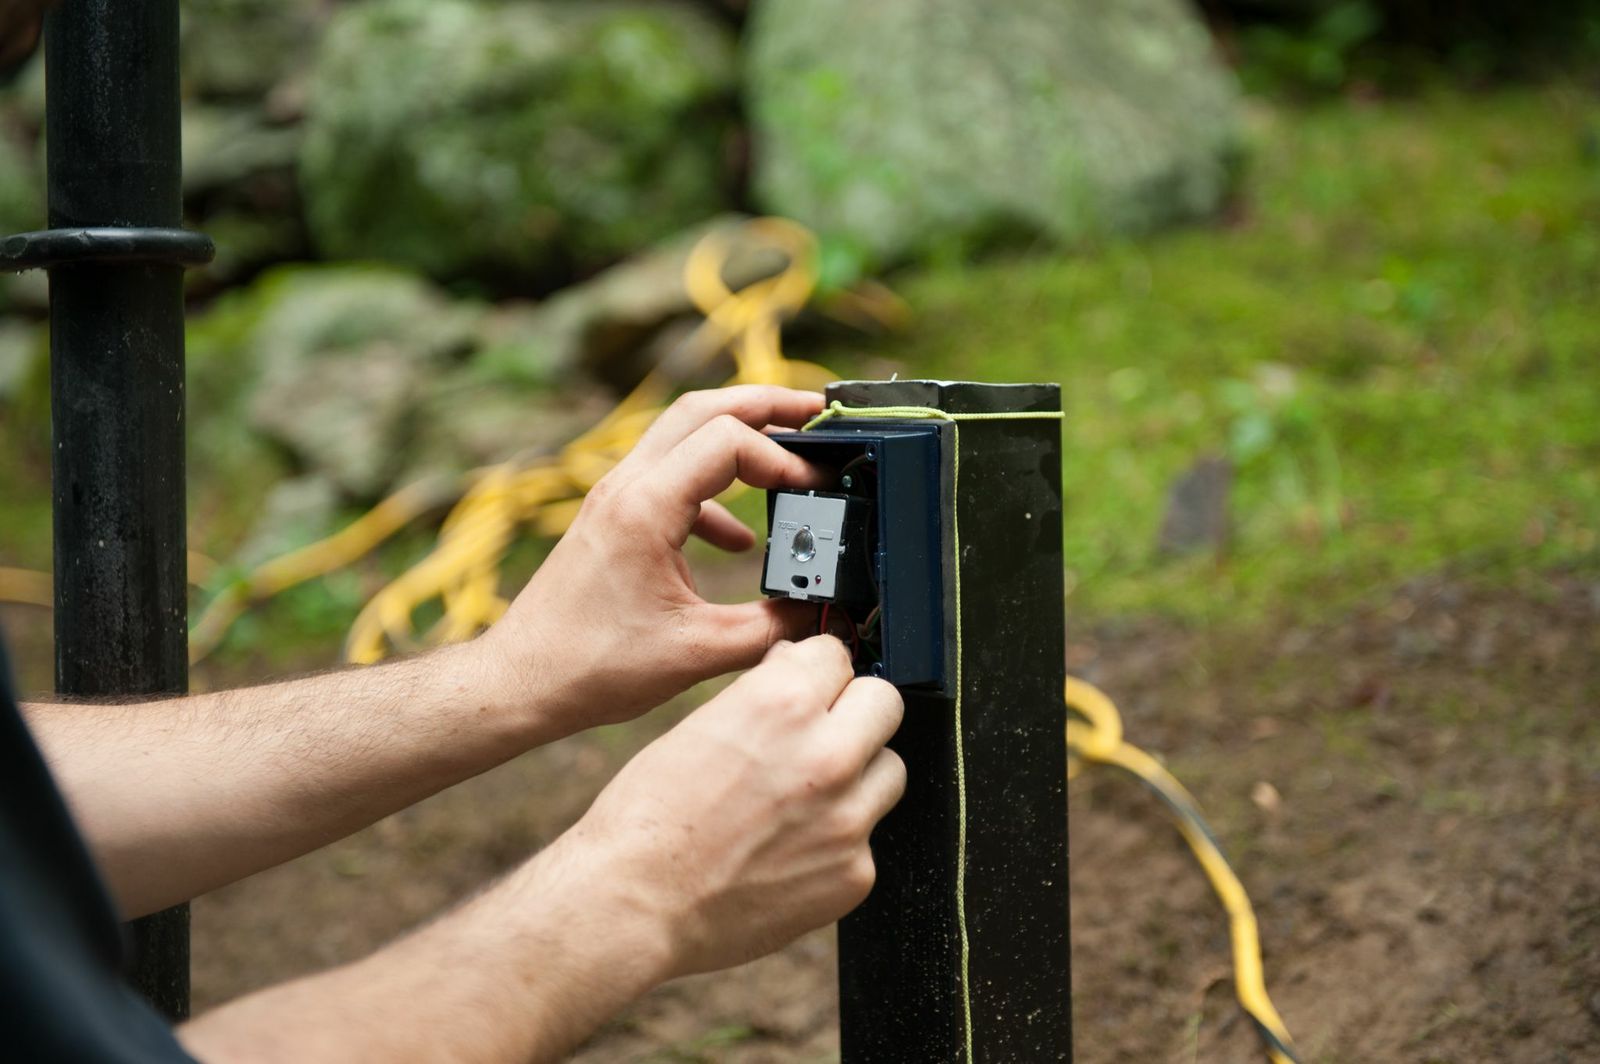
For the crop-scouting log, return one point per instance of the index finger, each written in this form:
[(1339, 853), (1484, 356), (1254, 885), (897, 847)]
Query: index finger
[(757, 405), (865, 716), (709, 461), (808, 675)]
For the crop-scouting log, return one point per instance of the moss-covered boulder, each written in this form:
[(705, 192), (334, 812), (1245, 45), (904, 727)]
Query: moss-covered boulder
[(239, 188), (902, 126), (245, 48), (463, 137), (329, 362)]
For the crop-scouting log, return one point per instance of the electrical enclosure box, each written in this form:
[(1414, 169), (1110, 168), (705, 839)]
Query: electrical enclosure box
[(875, 548)]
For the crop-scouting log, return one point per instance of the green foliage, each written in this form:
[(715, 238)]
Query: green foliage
[(1279, 435), (21, 186), (242, 49), (1319, 46), (1318, 56), (1396, 348)]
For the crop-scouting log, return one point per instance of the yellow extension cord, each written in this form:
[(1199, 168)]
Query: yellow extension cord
[(1098, 737), (542, 494)]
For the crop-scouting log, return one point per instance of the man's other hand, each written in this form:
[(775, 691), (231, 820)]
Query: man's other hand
[(747, 824), (742, 828), (611, 625)]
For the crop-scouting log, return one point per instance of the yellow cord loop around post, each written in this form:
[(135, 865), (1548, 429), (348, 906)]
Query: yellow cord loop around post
[(1098, 738)]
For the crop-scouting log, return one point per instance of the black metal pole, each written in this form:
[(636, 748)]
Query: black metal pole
[(900, 973), (117, 379)]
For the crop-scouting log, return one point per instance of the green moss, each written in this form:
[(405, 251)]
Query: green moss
[(1396, 344), (906, 129), (467, 138)]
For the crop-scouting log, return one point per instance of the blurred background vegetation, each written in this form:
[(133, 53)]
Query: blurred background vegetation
[(1319, 279), (1317, 276)]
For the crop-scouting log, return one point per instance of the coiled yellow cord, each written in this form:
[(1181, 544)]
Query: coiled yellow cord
[(29, 587), (1098, 737)]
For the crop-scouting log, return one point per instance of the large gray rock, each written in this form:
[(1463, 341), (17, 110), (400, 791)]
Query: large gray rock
[(332, 362), (466, 419), (226, 147), (904, 126), (239, 183), (466, 137), (245, 48), (370, 378), (607, 327)]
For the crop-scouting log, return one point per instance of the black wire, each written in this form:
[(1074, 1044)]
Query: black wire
[(857, 460), (1271, 1039)]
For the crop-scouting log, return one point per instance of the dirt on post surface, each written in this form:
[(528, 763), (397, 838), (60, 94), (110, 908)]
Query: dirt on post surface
[(1411, 793)]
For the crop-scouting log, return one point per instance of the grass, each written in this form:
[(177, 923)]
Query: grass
[(1393, 336), (1394, 339)]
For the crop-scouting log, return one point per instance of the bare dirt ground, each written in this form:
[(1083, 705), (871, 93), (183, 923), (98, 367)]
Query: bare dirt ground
[(1411, 793)]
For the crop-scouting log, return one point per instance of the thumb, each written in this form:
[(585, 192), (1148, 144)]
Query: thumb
[(738, 637)]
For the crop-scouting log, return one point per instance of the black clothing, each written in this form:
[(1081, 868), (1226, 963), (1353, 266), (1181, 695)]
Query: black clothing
[(62, 997)]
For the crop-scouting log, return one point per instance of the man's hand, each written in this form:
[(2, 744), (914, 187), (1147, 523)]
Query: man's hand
[(747, 824), (611, 625), (743, 827)]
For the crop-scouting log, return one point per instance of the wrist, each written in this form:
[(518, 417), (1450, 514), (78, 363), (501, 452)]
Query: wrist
[(504, 689), (606, 923)]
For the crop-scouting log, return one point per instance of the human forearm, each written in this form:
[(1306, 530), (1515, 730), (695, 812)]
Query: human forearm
[(522, 973), (740, 829), (180, 796)]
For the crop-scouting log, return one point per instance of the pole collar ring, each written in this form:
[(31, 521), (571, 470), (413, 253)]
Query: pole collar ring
[(104, 245)]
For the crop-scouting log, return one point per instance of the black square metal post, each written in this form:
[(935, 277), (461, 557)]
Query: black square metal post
[(116, 252), (900, 972)]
